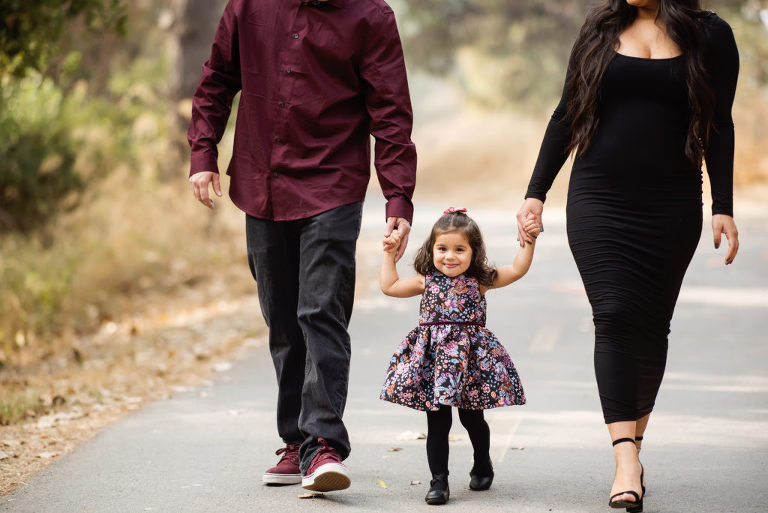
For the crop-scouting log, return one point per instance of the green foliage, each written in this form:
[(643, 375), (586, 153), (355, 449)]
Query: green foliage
[(37, 171), (31, 30), (502, 52), (64, 148)]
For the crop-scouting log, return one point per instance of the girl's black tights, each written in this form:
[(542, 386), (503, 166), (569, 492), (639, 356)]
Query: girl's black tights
[(438, 427)]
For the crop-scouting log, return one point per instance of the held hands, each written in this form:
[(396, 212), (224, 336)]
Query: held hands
[(401, 228), (199, 183), (724, 224), (391, 243), (531, 226), (534, 207)]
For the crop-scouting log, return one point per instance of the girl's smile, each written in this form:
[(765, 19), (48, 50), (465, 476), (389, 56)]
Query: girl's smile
[(452, 254)]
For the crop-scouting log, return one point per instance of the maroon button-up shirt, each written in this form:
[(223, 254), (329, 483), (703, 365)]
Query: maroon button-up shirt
[(317, 79)]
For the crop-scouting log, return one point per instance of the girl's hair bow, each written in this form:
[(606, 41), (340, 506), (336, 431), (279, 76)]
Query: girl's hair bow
[(454, 210)]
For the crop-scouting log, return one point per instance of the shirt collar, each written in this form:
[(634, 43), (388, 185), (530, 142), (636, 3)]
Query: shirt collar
[(335, 3)]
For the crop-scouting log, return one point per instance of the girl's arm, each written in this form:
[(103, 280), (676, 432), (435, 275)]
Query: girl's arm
[(390, 282), (511, 273)]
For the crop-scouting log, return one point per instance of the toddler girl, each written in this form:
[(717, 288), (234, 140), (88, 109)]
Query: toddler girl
[(451, 359)]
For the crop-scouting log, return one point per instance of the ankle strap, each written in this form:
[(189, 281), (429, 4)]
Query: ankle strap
[(622, 440), (638, 438)]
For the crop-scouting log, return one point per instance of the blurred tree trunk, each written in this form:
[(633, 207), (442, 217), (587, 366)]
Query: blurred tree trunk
[(192, 30), (191, 25)]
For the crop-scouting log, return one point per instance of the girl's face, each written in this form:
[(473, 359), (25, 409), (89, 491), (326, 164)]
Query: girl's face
[(452, 254)]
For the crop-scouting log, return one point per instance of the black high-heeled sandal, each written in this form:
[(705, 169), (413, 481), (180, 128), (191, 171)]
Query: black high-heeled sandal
[(635, 506), (642, 469)]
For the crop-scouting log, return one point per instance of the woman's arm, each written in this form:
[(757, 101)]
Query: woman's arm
[(724, 70), (552, 155), (390, 282)]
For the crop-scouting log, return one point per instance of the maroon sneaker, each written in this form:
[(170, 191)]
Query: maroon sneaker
[(287, 471), (326, 473)]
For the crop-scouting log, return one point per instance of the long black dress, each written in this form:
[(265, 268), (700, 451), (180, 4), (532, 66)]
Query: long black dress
[(634, 209)]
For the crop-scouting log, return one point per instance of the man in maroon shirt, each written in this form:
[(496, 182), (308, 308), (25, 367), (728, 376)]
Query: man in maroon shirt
[(317, 79)]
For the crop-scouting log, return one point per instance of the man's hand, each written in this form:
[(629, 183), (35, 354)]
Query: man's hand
[(403, 229), (724, 224), (199, 182)]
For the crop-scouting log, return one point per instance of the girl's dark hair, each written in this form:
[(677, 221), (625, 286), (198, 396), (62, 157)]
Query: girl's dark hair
[(479, 268), (595, 47)]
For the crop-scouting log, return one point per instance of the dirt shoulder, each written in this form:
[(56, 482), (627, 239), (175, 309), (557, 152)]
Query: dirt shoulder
[(70, 390)]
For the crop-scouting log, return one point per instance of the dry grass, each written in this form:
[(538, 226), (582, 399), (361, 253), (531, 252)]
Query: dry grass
[(751, 159)]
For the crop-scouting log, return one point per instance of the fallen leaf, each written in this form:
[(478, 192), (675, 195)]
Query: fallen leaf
[(312, 496), (411, 435), (415, 483), (382, 484), (47, 455), (453, 438), (222, 366), (518, 448), (4, 455), (395, 449)]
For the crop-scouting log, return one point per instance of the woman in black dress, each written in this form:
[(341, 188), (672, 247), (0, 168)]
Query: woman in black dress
[(648, 97)]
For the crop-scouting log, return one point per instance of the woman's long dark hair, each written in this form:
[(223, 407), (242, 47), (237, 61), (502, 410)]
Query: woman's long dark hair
[(595, 47), (479, 268)]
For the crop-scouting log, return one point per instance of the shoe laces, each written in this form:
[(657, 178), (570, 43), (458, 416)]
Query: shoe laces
[(326, 453), (290, 452)]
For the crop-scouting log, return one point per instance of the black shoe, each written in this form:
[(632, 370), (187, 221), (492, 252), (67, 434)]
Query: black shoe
[(438, 490), (481, 477), (635, 506)]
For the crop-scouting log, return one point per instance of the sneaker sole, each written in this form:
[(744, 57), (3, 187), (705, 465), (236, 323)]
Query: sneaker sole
[(327, 478), (281, 479)]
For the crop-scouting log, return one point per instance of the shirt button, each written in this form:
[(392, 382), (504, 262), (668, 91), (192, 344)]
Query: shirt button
[(279, 139), (296, 36), (282, 104), (288, 70), (274, 174)]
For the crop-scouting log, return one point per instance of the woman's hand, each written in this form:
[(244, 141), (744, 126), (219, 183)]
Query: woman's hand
[(530, 206), (724, 224)]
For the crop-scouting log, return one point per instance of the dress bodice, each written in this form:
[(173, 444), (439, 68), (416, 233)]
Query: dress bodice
[(451, 301)]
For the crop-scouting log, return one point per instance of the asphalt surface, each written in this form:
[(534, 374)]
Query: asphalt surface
[(706, 448)]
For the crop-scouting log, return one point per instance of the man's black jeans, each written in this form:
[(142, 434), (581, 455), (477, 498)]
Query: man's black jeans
[(305, 272)]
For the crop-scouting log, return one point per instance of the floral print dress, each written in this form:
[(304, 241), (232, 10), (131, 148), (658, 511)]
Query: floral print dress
[(451, 358)]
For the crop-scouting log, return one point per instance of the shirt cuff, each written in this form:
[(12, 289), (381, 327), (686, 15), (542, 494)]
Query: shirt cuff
[(203, 161), (537, 195), (397, 206)]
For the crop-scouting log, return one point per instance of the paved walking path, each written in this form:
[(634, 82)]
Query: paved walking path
[(706, 450)]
